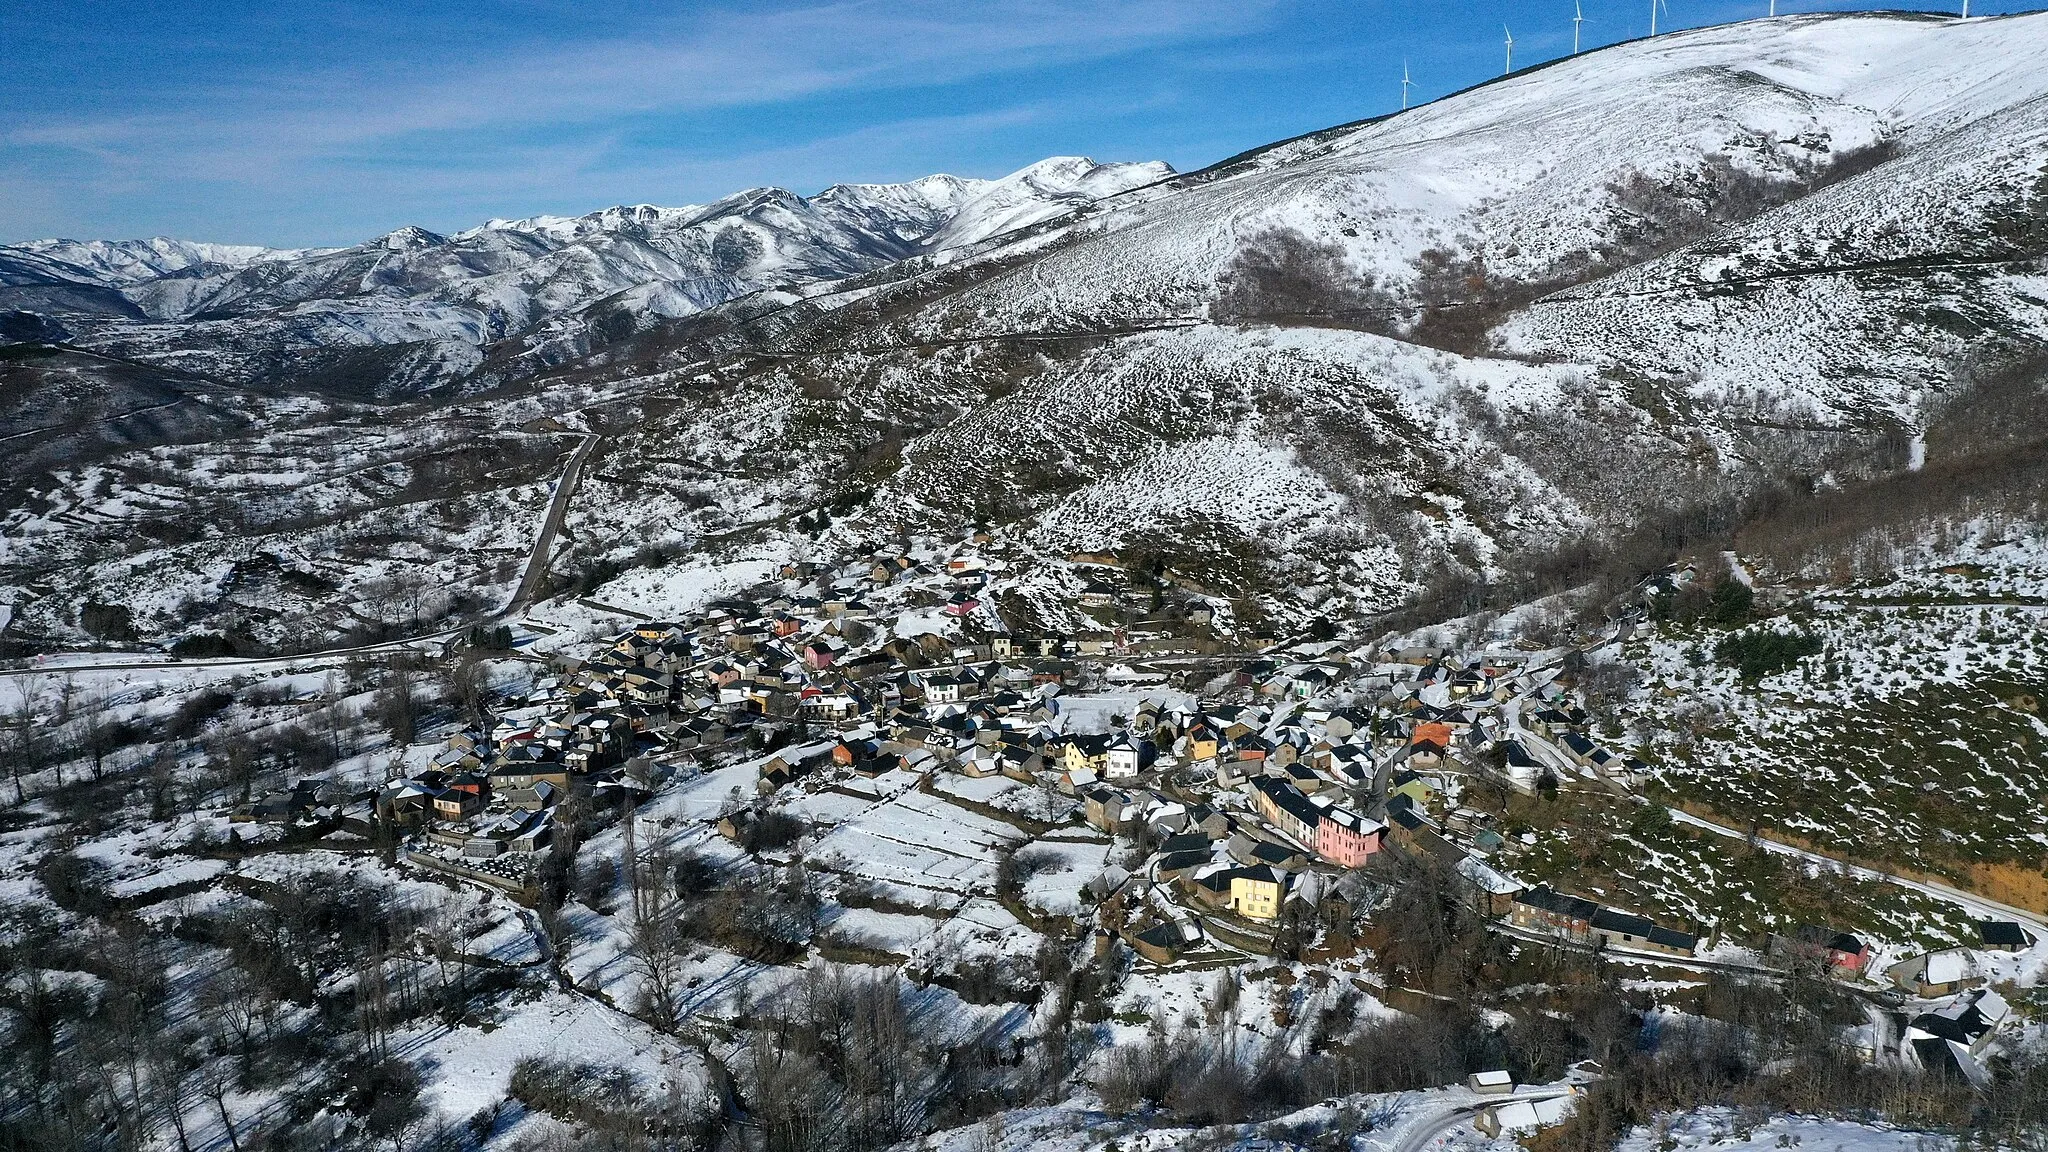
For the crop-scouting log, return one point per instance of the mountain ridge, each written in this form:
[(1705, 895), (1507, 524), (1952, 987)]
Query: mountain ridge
[(906, 213), (1401, 359)]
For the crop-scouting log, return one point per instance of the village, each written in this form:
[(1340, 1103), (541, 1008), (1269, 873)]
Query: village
[(1207, 801)]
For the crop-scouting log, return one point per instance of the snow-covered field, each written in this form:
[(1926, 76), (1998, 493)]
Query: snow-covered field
[(1725, 1130)]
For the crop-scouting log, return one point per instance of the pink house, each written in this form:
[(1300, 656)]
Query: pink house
[(1346, 839)]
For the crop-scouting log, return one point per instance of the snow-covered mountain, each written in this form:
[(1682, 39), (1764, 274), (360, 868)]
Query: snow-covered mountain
[(423, 308), (1398, 357), (1431, 348), (122, 262), (507, 275)]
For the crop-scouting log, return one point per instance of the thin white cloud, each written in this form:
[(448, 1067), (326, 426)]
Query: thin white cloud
[(720, 60)]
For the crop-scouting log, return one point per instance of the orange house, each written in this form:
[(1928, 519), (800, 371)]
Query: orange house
[(1432, 733)]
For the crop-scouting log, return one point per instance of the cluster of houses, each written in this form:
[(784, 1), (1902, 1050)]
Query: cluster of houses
[(1263, 798), (1959, 1014), (1257, 808), (313, 804), (798, 653)]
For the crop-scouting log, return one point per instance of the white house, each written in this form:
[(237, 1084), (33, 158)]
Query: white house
[(1126, 758)]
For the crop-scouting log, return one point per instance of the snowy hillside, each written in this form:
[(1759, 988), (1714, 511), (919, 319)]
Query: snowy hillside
[(1521, 170), (1513, 624), (1658, 274), (1411, 357)]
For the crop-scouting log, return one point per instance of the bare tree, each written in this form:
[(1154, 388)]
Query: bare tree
[(396, 705), (26, 743), (170, 1088), (468, 686), (218, 1080), (659, 937), (97, 732)]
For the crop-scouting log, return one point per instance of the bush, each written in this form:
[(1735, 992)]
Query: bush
[(204, 644), (194, 711), (498, 639), (1284, 273), (770, 829), (386, 1095), (584, 1093), (766, 920), (606, 1099), (107, 621), (1758, 654), (76, 883), (1730, 602)]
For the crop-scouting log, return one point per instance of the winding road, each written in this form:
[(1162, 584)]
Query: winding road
[(1429, 1129), (550, 527)]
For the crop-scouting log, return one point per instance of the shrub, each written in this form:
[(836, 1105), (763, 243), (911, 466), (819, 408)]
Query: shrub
[(194, 711), (584, 1093), (1730, 602), (1283, 272), (770, 829), (608, 1101), (498, 639), (1758, 654), (204, 644), (107, 621)]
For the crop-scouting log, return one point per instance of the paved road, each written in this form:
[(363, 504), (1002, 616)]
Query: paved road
[(1430, 1129), (550, 527), (1875, 997), (252, 663)]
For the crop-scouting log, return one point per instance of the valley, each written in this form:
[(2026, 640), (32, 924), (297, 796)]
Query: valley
[(1511, 624)]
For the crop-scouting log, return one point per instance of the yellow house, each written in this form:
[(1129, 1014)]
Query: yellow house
[(1087, 752), (1255, 893), (1202, 744), (1415, 787)]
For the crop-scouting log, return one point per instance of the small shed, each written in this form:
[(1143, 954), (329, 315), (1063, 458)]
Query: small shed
[(1498, 1082)]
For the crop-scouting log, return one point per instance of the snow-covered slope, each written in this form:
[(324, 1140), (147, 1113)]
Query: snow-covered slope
[(1524, 170), (242, 313), (1403, 357), (1656, 275), (1045, 191), (512, 273)]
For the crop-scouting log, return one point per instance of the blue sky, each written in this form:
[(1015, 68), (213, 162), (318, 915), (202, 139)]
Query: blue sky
[(295, 123)]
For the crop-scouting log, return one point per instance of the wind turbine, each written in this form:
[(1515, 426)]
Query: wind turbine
[(1405, 83), (1511, 51), (1579, 17)]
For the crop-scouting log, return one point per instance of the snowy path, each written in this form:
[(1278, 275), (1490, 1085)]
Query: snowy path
[(1419, 1133)]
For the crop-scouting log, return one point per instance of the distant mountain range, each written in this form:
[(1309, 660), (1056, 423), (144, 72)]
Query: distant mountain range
[(1403, 358), (460, 292)]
